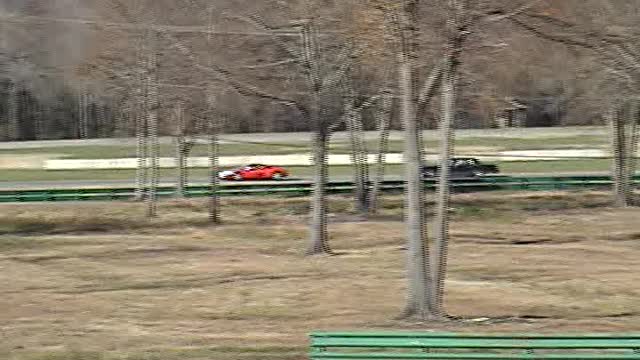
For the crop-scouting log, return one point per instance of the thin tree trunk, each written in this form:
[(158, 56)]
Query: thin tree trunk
[(152, 119), (142, 146), (419, 297), (139, 109), (214, 154), (214, 164), (319, 239), (384, 121), (441, 244), (619, 170), (101, 125), (181, 153), (13, 114), (359, 157), (83, 124), (90, 105), (38, 120), (214, 146), (632, 150)]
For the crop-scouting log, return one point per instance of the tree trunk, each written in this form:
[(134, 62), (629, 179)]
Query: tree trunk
[(83, 115), (359, 157), (619, 166), (142, 147), (139, 110), (319, 240), (214, 197), (632, 150), (441, 243), (13, 113), (214, 165), (152, 119), (419, 297), (181, 165), (214, 146), (384, 121), (181, 154)]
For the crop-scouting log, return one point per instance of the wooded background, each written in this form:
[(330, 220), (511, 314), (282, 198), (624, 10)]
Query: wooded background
[(69, 68)]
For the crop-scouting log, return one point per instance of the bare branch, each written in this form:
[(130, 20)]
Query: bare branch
[(259, 23), (368, 102), (345, 62), (268, 65), (223, 74), (559, 38), (133, 26), (430, 85), (498, 15), (608, 47)]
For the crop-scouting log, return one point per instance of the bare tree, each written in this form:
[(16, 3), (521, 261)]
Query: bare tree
[(419, 303), (618, 52)]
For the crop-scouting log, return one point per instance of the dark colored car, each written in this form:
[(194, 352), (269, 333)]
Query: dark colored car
[(462, 168)]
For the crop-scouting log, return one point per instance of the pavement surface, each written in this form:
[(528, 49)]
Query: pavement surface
[(286, 138), (88, 184)]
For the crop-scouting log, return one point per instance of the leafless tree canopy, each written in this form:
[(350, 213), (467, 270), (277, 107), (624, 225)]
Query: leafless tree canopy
[(67, 62)]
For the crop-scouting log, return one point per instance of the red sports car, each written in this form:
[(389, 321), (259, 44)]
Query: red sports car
[(254, 172)]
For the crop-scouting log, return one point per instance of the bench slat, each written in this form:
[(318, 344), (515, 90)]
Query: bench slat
[(470, 356), (475, 343), (474, 336)]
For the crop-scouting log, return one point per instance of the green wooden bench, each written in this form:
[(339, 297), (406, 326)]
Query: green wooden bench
[(393, 346)]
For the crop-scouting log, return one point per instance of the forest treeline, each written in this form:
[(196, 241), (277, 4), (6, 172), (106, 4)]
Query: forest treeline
[(70, 68)]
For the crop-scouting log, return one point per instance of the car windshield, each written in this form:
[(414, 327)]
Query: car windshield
[(251, 167), (462, 162)]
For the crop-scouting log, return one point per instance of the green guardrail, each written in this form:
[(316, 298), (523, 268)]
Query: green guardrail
[(304, 188)]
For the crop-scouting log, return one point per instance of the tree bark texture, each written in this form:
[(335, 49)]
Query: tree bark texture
[(214, 165), (152, 121), (359, 157), (181, 153), (619, 147), (383, 115), (441, 243), (318, 237), (419, 298)]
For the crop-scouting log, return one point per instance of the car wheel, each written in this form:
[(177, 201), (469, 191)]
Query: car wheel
[(277, 176)]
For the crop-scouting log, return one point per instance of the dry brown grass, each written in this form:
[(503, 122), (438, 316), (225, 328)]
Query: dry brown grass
[(98, 281)]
